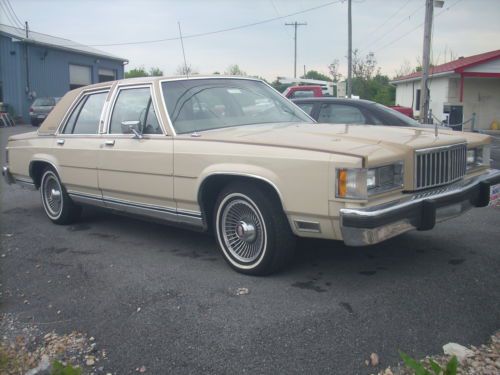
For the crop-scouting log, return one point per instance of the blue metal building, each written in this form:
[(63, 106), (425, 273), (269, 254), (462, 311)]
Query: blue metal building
[(38, 65)]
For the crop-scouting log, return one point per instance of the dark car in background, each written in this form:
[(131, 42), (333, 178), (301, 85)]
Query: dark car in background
[(40, 108), (352, 111)]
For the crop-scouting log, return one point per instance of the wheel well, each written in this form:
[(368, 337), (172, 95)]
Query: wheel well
[(213, 185), (36, 169)]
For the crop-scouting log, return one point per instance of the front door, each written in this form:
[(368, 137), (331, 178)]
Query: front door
[(135, 161)]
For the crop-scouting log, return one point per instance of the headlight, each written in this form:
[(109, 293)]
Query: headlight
[(385, 178), (359, 183), (351, 183), (477, 157)]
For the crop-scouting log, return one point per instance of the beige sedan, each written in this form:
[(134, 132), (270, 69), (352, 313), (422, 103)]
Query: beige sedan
[(232, 156)]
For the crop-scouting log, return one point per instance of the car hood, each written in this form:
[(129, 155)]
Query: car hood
[(356, 140)]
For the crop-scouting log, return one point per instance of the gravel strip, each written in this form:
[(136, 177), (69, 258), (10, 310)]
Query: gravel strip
[(484, 360)]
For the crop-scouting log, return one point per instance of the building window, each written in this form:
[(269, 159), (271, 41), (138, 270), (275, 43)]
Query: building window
[(417, 100), (106, 75), (79, 76)]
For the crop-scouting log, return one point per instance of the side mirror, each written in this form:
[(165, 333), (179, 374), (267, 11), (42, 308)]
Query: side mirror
[(131, 127)]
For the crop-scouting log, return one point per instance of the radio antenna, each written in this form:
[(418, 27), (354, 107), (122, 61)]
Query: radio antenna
[(183, 53)]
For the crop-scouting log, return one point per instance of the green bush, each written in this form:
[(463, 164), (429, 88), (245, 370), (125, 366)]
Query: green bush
[(419, 368)]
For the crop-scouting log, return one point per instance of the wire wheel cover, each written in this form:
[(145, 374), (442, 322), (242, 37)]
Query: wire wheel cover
[(243, 231), (52, 195)]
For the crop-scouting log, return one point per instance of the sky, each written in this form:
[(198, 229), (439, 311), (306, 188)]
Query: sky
[(391, 29)]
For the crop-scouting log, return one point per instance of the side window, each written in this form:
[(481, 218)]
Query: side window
[(151, 124), (306, 107), (135, 105), (85, 117), (340, 114)]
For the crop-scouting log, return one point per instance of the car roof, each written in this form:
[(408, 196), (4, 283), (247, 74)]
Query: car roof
[(141, 80), (331, 99)]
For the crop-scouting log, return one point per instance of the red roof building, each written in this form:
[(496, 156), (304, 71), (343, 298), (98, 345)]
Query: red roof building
[(467, 85)]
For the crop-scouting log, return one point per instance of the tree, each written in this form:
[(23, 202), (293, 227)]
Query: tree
[(363, 67), (405, 69), (333, 69), (313, 74), (277, 85), (185, 70), (234, 70), (155, 72), (136, 72)]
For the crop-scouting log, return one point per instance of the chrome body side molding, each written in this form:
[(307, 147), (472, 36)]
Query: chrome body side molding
[(169, 214)]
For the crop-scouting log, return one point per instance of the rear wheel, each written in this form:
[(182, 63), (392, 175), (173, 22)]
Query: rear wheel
[(252, 230), (57, 204)]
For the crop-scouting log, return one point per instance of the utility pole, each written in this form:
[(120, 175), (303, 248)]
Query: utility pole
[(349, 49), (424, 90), (295, 25)]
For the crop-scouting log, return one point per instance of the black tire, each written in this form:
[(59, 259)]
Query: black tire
[(55, 200), (34, 123), (252, 230)]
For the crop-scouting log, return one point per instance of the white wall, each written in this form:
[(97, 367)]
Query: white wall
[(439, 91), (406, 95), (492, 66), (482, 96), (405, 92)]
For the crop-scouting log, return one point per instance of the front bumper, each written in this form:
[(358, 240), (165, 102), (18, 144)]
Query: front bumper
[(7, 176), (421, 211)]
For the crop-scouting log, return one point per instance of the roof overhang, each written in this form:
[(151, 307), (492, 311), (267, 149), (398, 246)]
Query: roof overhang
[(419, 78), (17, 39)]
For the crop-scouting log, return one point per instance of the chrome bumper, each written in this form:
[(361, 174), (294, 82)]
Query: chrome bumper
[(9, 179), (421, 211)]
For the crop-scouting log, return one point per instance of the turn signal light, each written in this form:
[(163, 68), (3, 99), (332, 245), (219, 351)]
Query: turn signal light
[(342, 183)]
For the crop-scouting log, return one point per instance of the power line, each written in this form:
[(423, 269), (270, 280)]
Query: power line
[(19, 22), (197, 35), (395, 26), (384, 23), (6, 10), (416, 28)]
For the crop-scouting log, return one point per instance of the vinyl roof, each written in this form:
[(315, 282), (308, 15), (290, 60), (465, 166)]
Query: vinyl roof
[(54, 42)]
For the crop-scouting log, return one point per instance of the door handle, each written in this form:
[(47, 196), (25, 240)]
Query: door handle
[(60, 142), (110, 142)]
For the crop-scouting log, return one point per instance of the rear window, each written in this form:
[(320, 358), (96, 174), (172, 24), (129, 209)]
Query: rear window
[(340, 114), (44, 102)]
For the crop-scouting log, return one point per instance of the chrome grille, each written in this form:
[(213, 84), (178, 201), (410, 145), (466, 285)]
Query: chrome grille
[(439, 166)]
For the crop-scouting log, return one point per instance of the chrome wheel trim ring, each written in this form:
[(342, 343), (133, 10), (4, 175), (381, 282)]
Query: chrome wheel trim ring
[(245, 249), (52, 195)]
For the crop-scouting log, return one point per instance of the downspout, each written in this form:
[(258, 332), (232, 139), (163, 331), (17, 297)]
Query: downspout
[(412, 94), (461, 87)]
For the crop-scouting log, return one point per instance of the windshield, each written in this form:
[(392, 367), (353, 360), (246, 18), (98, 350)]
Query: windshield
[(44, 102), (196, 105), (407, 121)]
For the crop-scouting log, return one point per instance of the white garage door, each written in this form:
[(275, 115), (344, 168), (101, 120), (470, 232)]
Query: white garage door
[(79, 75)]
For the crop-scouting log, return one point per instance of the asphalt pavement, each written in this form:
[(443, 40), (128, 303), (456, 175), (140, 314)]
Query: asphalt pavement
[(325, 314)]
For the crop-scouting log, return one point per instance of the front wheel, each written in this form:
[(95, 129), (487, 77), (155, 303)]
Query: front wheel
[(252, 230), (57, 204)]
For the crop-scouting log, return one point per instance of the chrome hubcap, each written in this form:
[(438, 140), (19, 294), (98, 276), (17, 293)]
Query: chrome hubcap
[(242, 230), (246, 231), (52, 195)]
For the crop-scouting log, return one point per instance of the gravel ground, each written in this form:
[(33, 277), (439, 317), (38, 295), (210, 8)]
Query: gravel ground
[(25, 348), (482, 360)]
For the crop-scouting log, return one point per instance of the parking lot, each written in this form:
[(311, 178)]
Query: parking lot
[(163, 298)]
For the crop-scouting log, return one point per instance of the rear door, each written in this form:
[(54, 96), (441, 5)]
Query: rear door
[(136, 174), (77, 144)]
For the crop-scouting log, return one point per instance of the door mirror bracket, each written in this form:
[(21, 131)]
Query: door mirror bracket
[(132, 127)]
